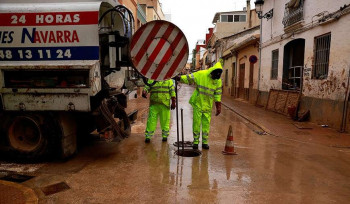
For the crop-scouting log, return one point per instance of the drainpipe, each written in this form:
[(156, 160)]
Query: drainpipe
[(345, 106)]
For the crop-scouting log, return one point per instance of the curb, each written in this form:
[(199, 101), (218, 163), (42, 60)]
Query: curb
[(29, 194), (266, 130)]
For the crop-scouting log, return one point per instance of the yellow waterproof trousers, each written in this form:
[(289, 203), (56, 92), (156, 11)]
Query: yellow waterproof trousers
[(201, 118), (163, 112)]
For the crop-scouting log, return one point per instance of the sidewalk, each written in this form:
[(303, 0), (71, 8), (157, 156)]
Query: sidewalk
[(282, 126)]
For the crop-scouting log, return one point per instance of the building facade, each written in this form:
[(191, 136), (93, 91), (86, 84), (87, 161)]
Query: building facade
[(226, 25), (152, 9), (306, 48), (241, 65)]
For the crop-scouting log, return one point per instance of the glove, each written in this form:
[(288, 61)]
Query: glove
[(218, 108), (144, 94), (173, 103), (177, 78)]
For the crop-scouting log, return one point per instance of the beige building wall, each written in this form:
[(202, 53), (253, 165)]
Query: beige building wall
[(153, 10), (228, 69), (323, 97), (224, 29)]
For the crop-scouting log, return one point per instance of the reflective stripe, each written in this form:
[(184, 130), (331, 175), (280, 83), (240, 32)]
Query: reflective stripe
[(203, 87), (207, 94), (218, 93), (219, 88), (165, 87), (205, 134), (159, 91), (192, 77)]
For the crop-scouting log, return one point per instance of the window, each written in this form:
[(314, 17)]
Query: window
[(321, 56), (274, 64), (233, 18), (240, 18), (226, 77), (226, 18)]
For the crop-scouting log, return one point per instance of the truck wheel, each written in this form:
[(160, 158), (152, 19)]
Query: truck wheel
[(29, 136)]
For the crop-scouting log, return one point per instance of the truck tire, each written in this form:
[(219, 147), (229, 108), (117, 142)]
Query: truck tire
[(30, 135)]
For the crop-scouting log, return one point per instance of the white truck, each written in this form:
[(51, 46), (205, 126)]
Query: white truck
[(62, 68)]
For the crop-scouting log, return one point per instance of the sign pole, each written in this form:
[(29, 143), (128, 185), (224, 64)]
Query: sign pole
[(177, 118)]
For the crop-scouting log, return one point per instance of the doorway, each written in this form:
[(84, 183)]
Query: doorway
[(293, 63), (233, 81), (251, 77), (241, 93)]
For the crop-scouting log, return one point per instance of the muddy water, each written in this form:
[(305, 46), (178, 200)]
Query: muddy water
[(267, 169)]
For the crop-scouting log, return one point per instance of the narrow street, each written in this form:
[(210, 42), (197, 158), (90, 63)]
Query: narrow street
[(267, 169)]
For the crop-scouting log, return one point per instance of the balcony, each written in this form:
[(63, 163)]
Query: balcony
[(293, 13)]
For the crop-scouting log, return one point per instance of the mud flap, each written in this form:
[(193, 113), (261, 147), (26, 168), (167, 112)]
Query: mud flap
[(68, 142)]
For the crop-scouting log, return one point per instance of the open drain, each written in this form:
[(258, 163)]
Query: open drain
[(185, 143), (13, 177), (55, 188), (188, 152)]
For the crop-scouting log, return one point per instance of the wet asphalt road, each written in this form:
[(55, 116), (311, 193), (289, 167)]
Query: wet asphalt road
[(267, 169)]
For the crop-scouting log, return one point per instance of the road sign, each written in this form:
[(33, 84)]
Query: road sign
[(159, 50)]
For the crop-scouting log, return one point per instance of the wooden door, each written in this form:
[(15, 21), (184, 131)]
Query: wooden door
[(233, 81), (251, 74), (241, 80)]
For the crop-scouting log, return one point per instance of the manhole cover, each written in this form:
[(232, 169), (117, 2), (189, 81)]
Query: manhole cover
[(186, 144), (55, 188), (188, 152), (17, 178)]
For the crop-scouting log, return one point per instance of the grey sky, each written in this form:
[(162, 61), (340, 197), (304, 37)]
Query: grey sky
[(194, 17)]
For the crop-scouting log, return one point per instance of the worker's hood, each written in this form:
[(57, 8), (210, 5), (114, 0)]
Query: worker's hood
[(216, 66), (215, 71)]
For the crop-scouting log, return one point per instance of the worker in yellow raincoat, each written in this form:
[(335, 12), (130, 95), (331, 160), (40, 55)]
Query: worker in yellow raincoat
[(208, 90), (161, 94)]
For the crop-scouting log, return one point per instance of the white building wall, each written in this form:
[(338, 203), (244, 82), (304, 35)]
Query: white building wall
[(274, 37)]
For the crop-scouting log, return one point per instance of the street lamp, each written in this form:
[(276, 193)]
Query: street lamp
[(258, 9)]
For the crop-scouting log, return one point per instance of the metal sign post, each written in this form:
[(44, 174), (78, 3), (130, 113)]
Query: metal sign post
[(177, 117)]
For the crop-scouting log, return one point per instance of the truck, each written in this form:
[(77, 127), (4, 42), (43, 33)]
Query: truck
[(64, 68)]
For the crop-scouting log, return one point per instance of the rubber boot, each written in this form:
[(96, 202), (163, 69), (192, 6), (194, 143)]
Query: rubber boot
[(205, 146)]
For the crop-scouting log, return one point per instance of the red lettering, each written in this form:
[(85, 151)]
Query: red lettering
[(43, 36), (67, 36), (75, 36), (37, 37), (52, 37), (59, 36)]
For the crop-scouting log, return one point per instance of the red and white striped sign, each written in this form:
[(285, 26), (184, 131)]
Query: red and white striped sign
[(159, 50)]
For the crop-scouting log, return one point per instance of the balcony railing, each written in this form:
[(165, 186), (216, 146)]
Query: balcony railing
[(293, 13)]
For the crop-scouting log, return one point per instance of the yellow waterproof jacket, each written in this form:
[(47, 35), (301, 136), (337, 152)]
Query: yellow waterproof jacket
[(161, 92), (207, 90)]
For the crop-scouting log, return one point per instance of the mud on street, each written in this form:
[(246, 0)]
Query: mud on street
[(267, 169)]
